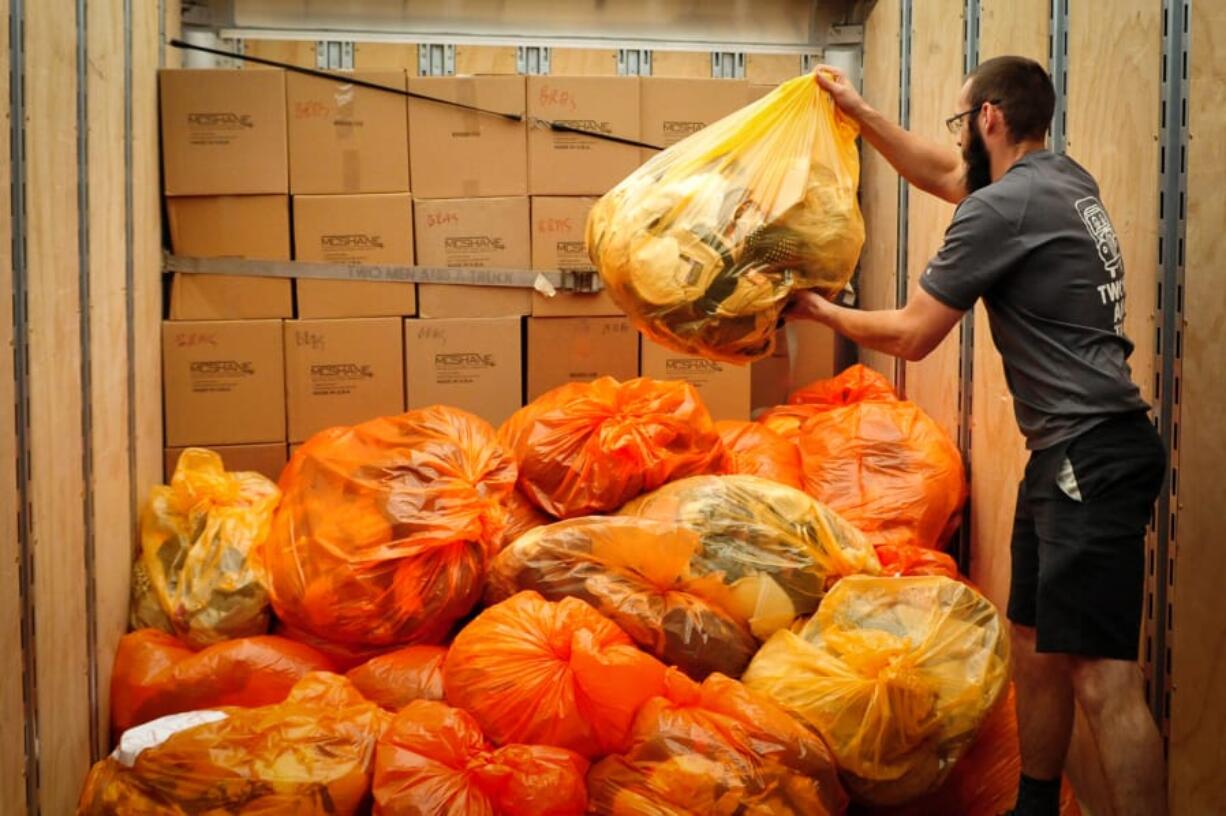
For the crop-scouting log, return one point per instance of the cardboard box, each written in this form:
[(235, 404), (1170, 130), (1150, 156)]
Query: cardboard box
[(223, 132), (268, 460), (724, 387), (254, 226), (770, 380), (811, 352), (374, 228), (758, 90), (676, 108), (579, 349), (473, 232), (562, 163), (464, 154), (344, 138), (470, 363), (558, 227), (223, 382), (342, 372)]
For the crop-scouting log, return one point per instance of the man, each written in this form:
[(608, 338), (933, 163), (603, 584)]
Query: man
[(1031, 237)]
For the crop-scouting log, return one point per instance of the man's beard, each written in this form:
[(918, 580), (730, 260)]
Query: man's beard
[(978, 162)]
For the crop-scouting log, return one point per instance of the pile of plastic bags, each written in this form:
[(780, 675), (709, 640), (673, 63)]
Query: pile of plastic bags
[(587, 448), (896, 674), (703, 245), (385, 528), (194, 577), (753, 449)]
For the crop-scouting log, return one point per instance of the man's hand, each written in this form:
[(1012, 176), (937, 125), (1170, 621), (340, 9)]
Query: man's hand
[(806, 305), (834, 82)]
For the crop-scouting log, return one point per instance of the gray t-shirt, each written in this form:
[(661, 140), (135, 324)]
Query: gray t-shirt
[(1038, 247)]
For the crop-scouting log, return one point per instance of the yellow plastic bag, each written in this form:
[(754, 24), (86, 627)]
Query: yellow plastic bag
[(897, 674), (194, 576), (703, 244), (774, 548)]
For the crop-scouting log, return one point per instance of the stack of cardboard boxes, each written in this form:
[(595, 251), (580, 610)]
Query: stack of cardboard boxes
[(253, 365)]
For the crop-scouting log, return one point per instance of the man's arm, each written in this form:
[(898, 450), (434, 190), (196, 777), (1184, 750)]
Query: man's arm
[(911, 332), (931, 167)]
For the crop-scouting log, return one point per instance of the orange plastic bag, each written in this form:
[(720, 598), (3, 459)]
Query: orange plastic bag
[(395, 679), (156, 674), (195, 576), (902, 560), (984, 782), (434, 761), (385, 528), (588, 448), (880, 462), (717, 749), (311, 755), (785, 421), (522, 516), (856, 383), (546, 673), (897, 674), (755, 450), (651, 579)]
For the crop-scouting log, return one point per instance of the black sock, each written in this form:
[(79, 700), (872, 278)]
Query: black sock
[(1037, 797)]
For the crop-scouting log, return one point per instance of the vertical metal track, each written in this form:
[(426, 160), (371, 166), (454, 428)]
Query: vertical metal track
[(1172, 197), (904, 121), (87, 418), (21, 373), (966, 345), (1057, 55)]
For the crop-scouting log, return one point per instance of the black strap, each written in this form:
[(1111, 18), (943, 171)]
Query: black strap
[(352, 80)]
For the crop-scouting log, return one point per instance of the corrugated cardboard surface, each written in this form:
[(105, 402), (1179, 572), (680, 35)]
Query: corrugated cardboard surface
[(344, 138), (473, 363), (229, 297), (558, 227), (342, 372), (223, 382), (268, 460), (374, 228), (255, 226), (465, 154), (561, 163), (223, 132), (473, 232), (579, 349), (724, 388), (676, 108)]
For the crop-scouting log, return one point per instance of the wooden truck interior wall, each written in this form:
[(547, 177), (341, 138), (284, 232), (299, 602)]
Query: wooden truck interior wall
[(80, 255)]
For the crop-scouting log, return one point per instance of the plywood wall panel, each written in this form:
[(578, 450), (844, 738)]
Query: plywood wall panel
[(936, 77), (878, 181), (1198, 639)]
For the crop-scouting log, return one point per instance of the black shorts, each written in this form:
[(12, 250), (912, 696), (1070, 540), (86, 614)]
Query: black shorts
[(1079, 538)]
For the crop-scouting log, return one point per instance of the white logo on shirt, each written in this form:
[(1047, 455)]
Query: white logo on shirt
[(1098, 225)]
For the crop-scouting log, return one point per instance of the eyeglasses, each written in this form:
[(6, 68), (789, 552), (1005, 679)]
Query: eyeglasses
[(954, 123)]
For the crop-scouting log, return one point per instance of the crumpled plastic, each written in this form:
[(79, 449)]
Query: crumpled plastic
[(194, 577), (650, 578), (703, 245), (902, 560), (590, 447), (522, 516), (717, 749), (879, 462), (385, 528), (775, 548), (897, 674), (984, 782), (157, 674), (434, 761), (541, 673), (395, 679), (311, 755), (755, 450)]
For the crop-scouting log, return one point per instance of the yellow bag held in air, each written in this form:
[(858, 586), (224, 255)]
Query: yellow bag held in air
[(703, 244), (897, 674), (194, 576)]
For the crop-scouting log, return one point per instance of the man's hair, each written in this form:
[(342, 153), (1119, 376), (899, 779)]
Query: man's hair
[(1021, 89)]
